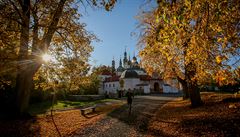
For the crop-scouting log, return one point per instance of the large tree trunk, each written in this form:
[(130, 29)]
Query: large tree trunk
[(23, 80), (193, 90), (24, 85), (195, 95), (185, 87)]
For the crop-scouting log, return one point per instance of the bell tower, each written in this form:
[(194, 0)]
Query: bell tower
[(113, 66)]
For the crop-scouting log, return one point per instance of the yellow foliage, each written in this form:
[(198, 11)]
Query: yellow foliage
[(218, 59), (196, 32)]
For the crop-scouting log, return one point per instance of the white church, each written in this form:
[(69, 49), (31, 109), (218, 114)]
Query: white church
[(130, 76)]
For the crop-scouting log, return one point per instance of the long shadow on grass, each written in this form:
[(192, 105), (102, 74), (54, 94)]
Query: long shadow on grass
[(142, 112), (217, 125), (19, 127), (226, 126)]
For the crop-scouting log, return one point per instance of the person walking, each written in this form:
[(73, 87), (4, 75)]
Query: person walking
[(129, 100)]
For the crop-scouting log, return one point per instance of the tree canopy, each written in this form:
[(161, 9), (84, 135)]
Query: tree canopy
[(31, 28), (195, 40)]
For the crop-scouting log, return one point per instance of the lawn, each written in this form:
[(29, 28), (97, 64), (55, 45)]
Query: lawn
[(67, 122), (43, 107)]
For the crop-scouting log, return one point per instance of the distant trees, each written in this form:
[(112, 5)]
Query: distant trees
[(197, 41), (31, 28), (101, 69)]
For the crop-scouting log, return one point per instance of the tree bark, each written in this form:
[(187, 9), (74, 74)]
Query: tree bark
[(195, 97), (193, 90), (23, 87), (185, 87), (23, 83)]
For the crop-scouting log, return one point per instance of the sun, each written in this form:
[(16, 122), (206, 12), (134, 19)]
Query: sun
[(46, 57)]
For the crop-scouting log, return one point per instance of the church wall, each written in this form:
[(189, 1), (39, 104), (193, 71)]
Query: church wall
[(171, 86), (146, 89), (130, 83), (170, 89), (101, 84), (173, 82), (160, 82), (111, 87)]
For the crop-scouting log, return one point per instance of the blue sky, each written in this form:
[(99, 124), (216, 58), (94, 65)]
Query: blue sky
[(114, 29)]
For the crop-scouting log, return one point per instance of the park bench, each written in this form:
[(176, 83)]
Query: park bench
[(91, 108)]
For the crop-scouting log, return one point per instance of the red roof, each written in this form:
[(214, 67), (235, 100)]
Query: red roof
[(145, 77), (112, 79)]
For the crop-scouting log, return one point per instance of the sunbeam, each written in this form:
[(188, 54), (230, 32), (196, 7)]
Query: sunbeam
[(46, 57)]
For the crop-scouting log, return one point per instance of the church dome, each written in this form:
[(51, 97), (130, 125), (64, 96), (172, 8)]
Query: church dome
[(134, 58), (120, 69), (129, 74)]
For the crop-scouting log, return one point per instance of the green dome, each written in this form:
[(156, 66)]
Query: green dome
[(129, 74)]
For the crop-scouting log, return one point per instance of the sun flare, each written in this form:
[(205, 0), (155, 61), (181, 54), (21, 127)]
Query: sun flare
[(46, 57)]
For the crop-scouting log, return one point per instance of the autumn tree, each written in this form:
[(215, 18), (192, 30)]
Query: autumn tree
[(101, 69), (197, 41), (31, 28)]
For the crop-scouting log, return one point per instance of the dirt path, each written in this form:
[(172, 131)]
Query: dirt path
[(119, 124)]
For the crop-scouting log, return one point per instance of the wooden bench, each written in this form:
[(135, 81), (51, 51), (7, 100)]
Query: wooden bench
[(93, 108)]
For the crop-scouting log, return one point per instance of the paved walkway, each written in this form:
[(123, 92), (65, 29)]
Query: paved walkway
[(119, 124)]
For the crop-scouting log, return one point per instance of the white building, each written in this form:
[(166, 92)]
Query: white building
[(134, 78)]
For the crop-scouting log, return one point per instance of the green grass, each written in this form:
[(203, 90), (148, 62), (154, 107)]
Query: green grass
[(43, 107)]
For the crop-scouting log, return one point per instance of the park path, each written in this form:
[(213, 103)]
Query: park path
[(119, 124)]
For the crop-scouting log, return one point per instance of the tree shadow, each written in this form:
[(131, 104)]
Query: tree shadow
[(142, 112), (19, 127), (226, 126), (200, 121), (40, 108)]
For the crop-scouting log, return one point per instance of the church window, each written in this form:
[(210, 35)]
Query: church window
[(109, 85)]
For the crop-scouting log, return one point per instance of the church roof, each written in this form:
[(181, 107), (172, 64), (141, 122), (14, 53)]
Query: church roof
[(112, 79), (129, 73), (145, 77)]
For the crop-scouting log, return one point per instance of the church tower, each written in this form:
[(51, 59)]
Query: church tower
[(125, 60), (129, 61), (113, 66), (120, 69), (120, 62)]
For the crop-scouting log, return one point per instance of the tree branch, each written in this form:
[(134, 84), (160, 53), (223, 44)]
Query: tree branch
[(47, 37)]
